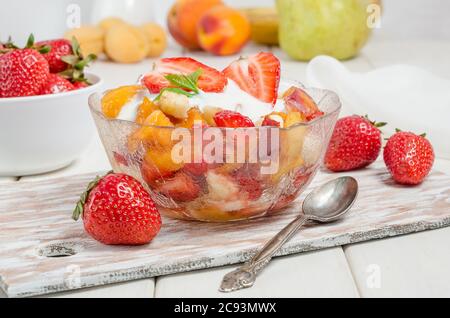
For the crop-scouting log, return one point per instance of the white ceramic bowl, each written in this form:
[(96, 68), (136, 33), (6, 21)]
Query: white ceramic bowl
[(44, 133)]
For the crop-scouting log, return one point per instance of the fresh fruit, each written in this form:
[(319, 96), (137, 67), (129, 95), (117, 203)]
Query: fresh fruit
[(58, 49), (294, 118), (145, 109), (194, 119), (156, 37), (309, 28), (162, 160), (258, 75), (91, 39), (117, 210), (80, 85), (152, 175), (221, 187), (264, 24), (355, 143), (114, 100), (297, 100), (180, 188), (56, 84), (183, 19), (409, 157), (23, 72), (275, 119), (151, 133), (173, 104), (110, 22), (230, 119), (196, 169), (208, 114), (126, 44), (223, 30), (249, 181), (210, 79)]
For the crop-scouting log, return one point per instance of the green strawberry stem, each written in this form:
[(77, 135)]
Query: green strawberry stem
[(77, 63), (79, 207), (374, 123)]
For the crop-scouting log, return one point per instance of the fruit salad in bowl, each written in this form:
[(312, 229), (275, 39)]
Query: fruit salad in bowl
[(214, 145)]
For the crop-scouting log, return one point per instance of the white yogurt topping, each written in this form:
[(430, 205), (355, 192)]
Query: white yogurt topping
[(232, 98)]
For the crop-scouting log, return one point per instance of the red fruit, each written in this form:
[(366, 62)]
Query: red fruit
[(297, 100), (211, 80), (80, 85), (120, 159), (249, 181), (23, 72), (58, 49), (258, 75), (196, 169), (152, 175), (230, 119), (409, 158), (117, 210), (355, 143), (268, 122), (56, 84), (180, 188)]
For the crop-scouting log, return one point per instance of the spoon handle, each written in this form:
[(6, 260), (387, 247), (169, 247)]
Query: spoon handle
[(245, 276)]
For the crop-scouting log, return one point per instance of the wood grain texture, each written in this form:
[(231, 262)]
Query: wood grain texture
[(35, 217)]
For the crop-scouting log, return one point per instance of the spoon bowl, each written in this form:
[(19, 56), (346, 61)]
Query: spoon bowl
[(331, 201)]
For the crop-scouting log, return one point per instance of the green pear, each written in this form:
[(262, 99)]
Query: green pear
[(309, 28)]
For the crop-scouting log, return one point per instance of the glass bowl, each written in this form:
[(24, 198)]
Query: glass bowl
[(235, 175)]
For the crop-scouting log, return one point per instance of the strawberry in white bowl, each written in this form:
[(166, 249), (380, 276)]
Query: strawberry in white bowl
[(44, 124)]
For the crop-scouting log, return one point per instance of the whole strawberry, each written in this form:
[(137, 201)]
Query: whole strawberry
[(355, 143), (58, 49), (408, 157), (117, 210), (23, 72), (56, 84)]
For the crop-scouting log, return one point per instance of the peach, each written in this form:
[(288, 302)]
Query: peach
[(223, 30), (183, 19)]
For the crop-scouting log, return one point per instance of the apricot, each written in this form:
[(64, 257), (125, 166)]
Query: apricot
[(110, 22), (183, 18), (91, 39), (156, 37), (223, 31), (114, 100), (126, 44)]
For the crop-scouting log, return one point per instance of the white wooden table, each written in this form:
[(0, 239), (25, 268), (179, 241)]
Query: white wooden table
[(407, 266)]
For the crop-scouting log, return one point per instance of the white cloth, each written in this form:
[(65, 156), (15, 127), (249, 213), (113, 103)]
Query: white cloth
[(407, 97)]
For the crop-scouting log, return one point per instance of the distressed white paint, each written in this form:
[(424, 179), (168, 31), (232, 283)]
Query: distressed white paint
[(43, 217)]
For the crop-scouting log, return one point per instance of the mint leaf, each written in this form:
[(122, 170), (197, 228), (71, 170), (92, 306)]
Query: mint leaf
[(189, 82), (174, 90)]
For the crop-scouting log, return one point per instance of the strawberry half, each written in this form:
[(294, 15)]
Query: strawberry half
[(230, 119), (258, 75), (211, 80)]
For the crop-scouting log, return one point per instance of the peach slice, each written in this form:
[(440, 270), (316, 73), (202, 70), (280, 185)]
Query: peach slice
[(223, 31), (146, 108), (114, 100)]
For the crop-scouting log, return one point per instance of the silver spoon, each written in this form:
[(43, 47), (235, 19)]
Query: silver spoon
[(326, 204)]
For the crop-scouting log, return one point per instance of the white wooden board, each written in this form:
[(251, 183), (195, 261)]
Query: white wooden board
[(35, 216)]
